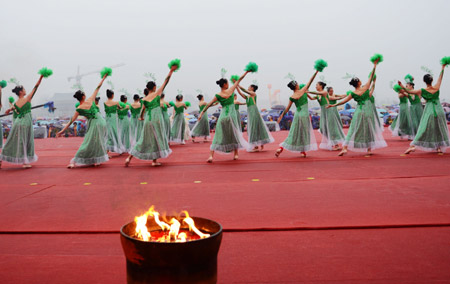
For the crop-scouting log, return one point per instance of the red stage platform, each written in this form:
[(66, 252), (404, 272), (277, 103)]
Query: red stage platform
[(352, 219)]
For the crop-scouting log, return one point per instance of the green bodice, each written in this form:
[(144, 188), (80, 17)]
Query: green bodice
[(431, 98), (202, 107), (21, 111), (303, 100), (403, 100), (149, 105), (414, 101), (122, 113), (110, 110), (135, 111), (250, 101), (372, 99), (322, 100), (361, 100), (225, 102), (88, 113), (164, 107), (332, 102), (179, 110)]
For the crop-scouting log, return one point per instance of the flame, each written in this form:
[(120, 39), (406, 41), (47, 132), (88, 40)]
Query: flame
[(171, 233), (188, 220)]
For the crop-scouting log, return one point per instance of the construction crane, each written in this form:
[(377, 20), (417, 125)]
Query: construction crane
[(79, 76)]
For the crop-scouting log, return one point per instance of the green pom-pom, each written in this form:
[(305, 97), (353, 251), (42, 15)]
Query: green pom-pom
[(301, 86), (172, 103), (77, 104), (234, 78), (397, 88), (106, 71), (409, 78), (376, 57), (188, 104), (445, 60), (320, 64), (11, 100), (175, 62), (251, 67), (3, 84), (374, 76), (45, 72)]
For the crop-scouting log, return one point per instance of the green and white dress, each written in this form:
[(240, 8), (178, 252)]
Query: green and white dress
[(258, 133), (416, 110), (166, 120), (136, 124), (377, 119), (433, 132), (178, 125), (201, 127), (93, 149), (238, 116), (153, 143), (402, 125), (19, 146), (301, 135), (228, 136), (363, 132), (330, 125), (124, 127), (114, 143)]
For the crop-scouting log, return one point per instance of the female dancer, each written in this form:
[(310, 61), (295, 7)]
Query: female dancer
[(258, 133), (228, 136), (201, 127), (19, 146), (166, 119), (416, 108), (114, 143), (330, 123), (402, 124), (124, 123), (93, 150), (153, 143), (178, 123), (238, 113), (301, 136), (363, 134), (136, 124), (432, 134)]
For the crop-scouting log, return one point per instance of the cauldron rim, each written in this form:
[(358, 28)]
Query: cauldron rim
[(173, 243)]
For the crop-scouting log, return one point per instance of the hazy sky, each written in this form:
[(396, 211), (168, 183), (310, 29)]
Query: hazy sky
[(280, 36)]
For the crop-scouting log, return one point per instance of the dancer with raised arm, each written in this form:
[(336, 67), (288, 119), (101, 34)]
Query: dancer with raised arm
[(432, 134), (228, 137), (201, 127), (19, 146), (363, 134), (153, 143), (93, 150), (301, 135), (330, 124), (257, 131), (402, 125)]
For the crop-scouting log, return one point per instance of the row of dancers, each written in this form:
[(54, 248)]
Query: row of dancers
[(147, 135)]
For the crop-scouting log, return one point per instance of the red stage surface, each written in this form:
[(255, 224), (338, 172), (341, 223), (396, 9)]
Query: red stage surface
[(378, 219)]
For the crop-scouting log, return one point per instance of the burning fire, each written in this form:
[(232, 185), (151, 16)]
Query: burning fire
[(168, 233)]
